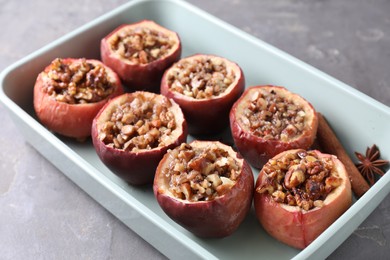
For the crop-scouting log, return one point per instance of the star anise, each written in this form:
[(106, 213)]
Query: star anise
[(370, 164)]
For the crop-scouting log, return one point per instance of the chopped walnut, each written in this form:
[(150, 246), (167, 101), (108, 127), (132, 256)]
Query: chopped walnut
[(201, 174), (300, 179), (200, 78), (145, 122), (273, 116), (78, 82), (141, 45)]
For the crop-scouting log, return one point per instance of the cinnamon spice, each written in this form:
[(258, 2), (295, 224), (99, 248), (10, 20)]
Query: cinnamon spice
[(329, 143)]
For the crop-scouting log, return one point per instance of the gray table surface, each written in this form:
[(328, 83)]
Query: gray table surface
[(43, 215)]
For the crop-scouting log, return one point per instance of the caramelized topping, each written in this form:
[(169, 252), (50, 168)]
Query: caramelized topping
[(300, 179), (200, 78), (201, 174), (274, 117), (143, 123), (141, 45), (78, 82)]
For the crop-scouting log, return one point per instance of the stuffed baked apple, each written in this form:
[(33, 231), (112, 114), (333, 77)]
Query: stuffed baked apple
[(140, 53), (70, 92), (299, 194), (204, 186), (133, 131), (205, 87), (267, 120)]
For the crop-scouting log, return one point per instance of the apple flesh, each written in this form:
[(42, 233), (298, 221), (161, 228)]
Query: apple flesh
[(293, 225), (135, 75), (206, 115), (71, 120), (137, 167), (218, 217), (256, 149)]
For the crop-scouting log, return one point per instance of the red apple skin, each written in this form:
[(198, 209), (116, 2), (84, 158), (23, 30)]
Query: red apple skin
[(145, 77), (71, 120), (256, 150), (295, 226), (136, 168), (207, 116), (212, 219)]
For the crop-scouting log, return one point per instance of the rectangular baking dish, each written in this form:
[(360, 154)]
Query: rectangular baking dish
[(357, 119)]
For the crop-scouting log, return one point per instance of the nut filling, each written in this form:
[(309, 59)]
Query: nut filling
[(142, 124), (78, 82), (141, 45), (274, 117), (201, 174), (200, 78), (300, 179)]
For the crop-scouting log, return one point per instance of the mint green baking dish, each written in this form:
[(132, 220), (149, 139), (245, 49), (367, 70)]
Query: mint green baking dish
[(357, 119)]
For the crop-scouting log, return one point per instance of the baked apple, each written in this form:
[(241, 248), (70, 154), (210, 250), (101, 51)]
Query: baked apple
[(70, 92), (133, 131), (140, 53), (205, 87), (267, 120), (299, 194), (204, 186)]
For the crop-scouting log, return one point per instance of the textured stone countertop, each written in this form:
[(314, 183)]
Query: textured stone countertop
[(44, 215)]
